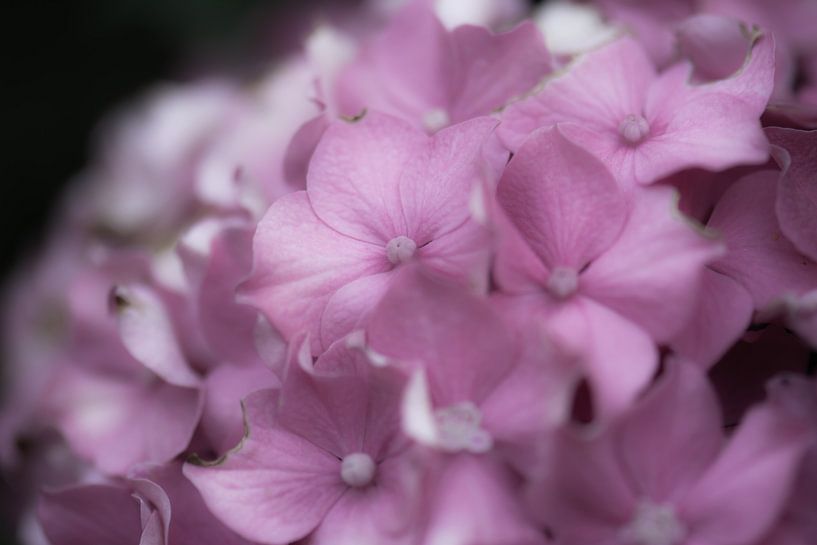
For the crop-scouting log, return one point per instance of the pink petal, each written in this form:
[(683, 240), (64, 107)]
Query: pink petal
[(118, 424), (148, 333), (490, 69), (702, 34), (618, 357), (651, 273), (722, 109), (598, 92), (472, 500), (722, 314), (90, 514), (436, 187), (759, 256), (355, 175), (797, 192), (351, 305), (564, 201), (673, 434), (300, 262), (743, 492), (581, 494), (188, 517), (301, 148), (456, 337), (225, 387), (277, 487)]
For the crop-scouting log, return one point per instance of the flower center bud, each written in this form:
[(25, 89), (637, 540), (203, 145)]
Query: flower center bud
[(634, 128), (357, 469), (654, 524), (400, 249), (563, 282), (435, 119), (458, 427)]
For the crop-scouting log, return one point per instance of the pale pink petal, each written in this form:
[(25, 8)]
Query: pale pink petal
[(702, 34), (564, 201), (148, 334), (599, 91), (673, 434), (300, 262), (490, 69), (436, 186), (651, 273), (376, 515), (355, 174), (117, 423), (277, 487)]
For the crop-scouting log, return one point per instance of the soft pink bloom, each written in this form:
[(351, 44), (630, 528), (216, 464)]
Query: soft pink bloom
[(613, 102), (419, 71), (610, 270), (324, 450), (380, 194), (664, 474)]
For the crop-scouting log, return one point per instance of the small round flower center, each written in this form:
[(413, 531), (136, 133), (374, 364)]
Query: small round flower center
[(459, 430), (357, 469), (400, 249), (563, 282), (634, 128), (654, 524), (436, 119)]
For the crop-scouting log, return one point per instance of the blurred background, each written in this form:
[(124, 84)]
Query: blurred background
[(68, 62)]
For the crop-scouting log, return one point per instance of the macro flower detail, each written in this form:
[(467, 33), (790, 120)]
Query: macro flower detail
[(432, 272), (379, 194), (613, 102)]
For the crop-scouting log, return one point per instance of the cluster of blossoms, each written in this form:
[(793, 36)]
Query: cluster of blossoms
[(441, 278)]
